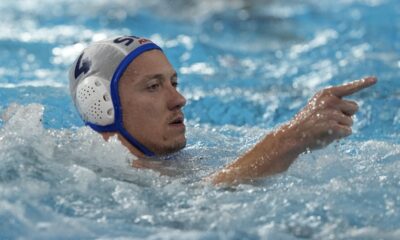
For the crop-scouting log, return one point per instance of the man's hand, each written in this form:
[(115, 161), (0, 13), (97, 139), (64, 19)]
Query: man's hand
[(327, 117)]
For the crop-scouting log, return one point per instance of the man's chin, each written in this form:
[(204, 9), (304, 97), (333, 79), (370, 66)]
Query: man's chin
[(176, 146)]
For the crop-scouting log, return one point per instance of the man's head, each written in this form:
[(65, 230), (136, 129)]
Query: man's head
[(127, 86)]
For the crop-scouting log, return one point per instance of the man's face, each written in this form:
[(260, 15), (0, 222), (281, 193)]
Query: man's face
[(151, 104)]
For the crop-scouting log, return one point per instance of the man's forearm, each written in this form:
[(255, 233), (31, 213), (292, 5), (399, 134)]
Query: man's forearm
[(271, 155), (327, 117)]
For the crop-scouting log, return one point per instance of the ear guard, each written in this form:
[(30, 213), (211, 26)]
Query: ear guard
[(94, 101)]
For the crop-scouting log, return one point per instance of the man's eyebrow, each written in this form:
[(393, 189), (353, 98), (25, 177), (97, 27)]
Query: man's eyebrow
[(158, 76), (175, 75), (152, 76)]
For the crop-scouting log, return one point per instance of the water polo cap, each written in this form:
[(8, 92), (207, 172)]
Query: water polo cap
[(94, 78)]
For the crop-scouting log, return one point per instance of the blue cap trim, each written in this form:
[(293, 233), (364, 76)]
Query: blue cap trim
[(98, 128), (118, 124)]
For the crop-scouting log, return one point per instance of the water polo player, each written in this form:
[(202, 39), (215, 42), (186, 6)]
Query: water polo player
[(126, 86)]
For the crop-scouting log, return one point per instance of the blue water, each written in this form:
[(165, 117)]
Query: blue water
[(245, 67)]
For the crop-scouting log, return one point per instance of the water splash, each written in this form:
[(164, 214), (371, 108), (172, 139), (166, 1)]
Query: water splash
[(55, 178)]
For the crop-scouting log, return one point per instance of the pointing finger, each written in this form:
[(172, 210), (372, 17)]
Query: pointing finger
[(352, 87)]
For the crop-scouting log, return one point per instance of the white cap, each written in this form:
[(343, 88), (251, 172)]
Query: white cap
[(91, 74)]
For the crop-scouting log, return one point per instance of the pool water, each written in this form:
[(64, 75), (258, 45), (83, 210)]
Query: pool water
[(245, 67)]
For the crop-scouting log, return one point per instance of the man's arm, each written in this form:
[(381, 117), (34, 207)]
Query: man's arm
[(326, 117)]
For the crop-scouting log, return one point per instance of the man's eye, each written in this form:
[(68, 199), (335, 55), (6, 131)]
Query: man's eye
[(153, 87), (174, 82)]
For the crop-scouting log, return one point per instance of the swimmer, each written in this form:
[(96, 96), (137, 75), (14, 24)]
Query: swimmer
[(126, 87)]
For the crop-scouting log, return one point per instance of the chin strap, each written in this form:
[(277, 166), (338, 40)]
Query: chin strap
[(120, 129)]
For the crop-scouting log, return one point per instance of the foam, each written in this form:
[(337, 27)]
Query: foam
[(64, 178)]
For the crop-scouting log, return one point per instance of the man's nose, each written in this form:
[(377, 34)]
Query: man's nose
[(176, 100)]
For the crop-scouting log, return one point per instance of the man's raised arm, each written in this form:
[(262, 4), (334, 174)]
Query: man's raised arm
[(326, 117)]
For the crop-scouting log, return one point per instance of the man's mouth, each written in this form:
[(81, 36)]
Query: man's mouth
[(177, 121)]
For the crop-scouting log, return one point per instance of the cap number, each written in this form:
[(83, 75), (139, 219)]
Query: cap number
[(82, 69), (128, 40)]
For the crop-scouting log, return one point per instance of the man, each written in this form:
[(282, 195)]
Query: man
[(126, 87)]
